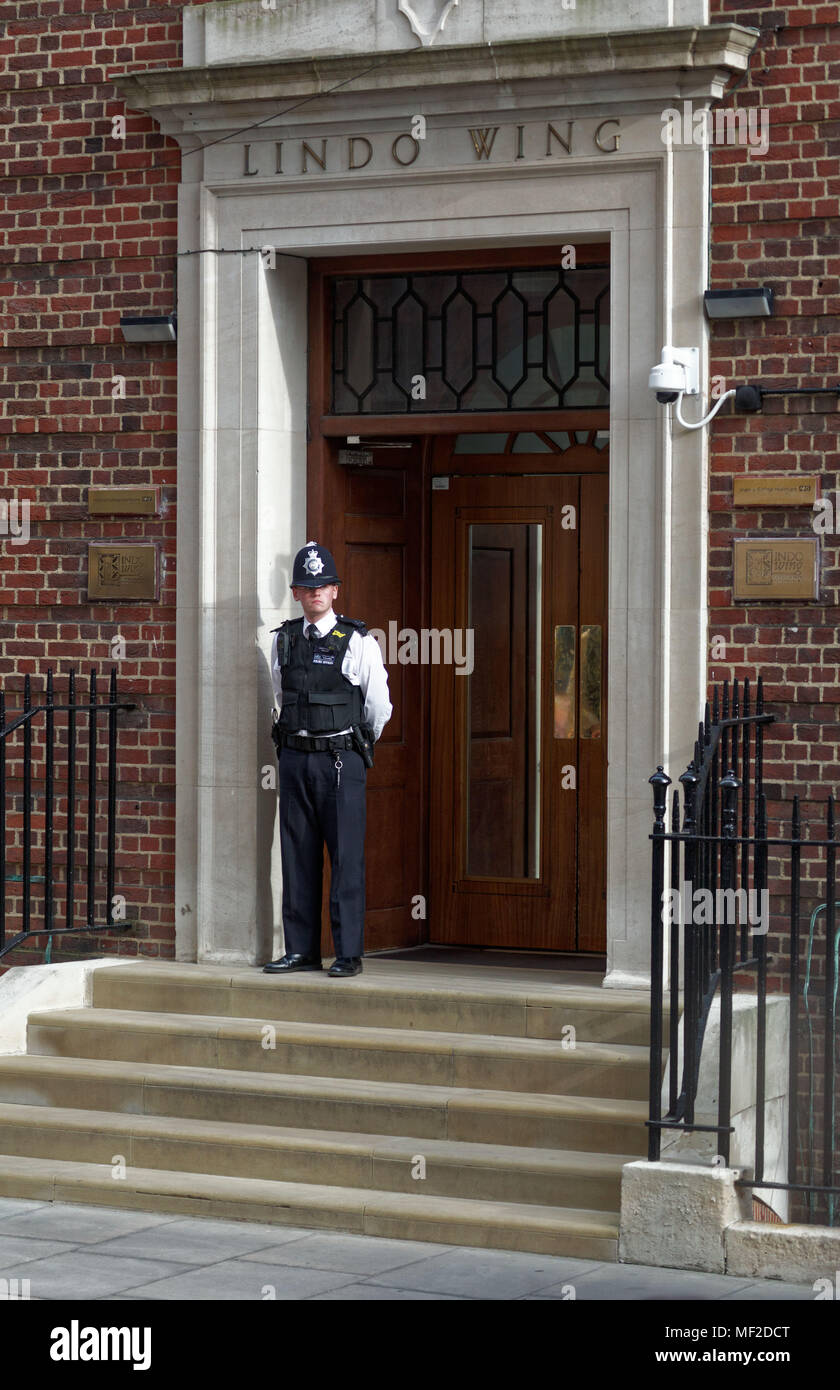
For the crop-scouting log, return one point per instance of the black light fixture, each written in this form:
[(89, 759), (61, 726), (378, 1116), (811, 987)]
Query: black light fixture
[(154, 328), (739, 304)]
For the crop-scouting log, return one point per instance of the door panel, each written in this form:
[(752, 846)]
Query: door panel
[(500, 780), (374, 526), (517, 780), (592, 744)]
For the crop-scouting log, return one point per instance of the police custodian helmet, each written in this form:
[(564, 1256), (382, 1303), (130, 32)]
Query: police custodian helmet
[(313, 567)]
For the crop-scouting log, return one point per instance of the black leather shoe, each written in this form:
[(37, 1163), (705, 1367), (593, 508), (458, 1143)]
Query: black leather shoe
[(286, 964), (343, 966)]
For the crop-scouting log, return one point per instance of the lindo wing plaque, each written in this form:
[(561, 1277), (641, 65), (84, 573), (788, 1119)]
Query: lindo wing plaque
[(122, 572), (778, 569)]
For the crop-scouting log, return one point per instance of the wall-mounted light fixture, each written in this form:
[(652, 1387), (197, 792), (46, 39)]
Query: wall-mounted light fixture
[(739, 304), (149, 328)]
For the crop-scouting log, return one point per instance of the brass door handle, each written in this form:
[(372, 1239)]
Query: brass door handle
[(565, 639), (591, 680)]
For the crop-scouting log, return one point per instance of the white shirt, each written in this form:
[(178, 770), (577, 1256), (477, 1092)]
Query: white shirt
[(362, 665)]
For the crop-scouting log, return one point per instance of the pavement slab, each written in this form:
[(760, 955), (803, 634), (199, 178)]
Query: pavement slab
[(79, 1224), (243, 1281), (369, 1293), (193, 1241), (79, 1275), (14, 1250), (771, 1291), (350, 1254), (499, 1274), (74, 1252)]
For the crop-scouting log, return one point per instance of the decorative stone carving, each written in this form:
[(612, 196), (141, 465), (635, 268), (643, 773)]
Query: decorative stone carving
[(427, 17)]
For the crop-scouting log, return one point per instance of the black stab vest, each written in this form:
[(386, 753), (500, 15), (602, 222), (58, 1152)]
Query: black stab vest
[(316, 696)]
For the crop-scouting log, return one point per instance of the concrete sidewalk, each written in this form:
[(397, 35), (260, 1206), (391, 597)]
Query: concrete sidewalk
[(99, 1253)]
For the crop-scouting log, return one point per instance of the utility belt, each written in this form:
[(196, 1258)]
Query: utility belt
[(361, 739), (315, 743)]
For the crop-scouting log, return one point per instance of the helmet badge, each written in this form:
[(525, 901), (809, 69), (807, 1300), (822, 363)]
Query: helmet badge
[(313, 564)]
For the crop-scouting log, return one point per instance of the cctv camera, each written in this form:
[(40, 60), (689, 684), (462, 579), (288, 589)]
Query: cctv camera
[(676, 374), (667, 379)]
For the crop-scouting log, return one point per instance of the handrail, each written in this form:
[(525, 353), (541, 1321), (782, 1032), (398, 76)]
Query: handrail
[(708, 842), (717, 842)]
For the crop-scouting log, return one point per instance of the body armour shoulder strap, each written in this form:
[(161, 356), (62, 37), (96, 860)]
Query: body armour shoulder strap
[(355, 623), (287, 633)]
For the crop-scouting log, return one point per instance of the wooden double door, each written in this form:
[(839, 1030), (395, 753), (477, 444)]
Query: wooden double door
[(485, 577)]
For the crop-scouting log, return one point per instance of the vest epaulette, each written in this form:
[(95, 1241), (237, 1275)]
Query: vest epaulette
[(356, 623)]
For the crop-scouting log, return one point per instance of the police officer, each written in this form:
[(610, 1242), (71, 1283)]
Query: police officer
[(331, 688)]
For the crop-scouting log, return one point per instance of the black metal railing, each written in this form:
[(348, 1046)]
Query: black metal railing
[(29, 836), (720, 846)]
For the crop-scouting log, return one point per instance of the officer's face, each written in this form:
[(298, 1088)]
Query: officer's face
[(316, 602)]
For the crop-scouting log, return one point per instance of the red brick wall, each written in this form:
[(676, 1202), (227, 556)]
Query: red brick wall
[(88, 231), (776, 221)]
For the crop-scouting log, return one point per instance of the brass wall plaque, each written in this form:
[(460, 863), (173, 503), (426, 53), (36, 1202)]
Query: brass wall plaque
[(777, 569), (127, 501), (122, 572), (774, 490)]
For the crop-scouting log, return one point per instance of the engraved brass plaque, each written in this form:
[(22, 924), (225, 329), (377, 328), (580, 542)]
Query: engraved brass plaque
[(125, 501), (564, 682), (775, 490), (122, 571), (777, 569)]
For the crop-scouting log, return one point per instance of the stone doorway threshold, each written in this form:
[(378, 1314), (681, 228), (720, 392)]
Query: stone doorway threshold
[(431, 954)]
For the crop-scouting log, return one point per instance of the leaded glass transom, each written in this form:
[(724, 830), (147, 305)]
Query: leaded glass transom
[(507, 339)]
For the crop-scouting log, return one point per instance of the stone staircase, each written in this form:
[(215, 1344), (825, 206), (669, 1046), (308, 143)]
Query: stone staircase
[(419, 1101)]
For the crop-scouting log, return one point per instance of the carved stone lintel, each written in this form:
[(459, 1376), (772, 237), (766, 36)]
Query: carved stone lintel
[(427, 17)]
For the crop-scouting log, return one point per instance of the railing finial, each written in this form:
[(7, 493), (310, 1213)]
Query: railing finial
[(689, 781), (660, 781), (730, 785)]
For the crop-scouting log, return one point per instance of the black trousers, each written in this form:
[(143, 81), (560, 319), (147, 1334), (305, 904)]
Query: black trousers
[(318, 807)]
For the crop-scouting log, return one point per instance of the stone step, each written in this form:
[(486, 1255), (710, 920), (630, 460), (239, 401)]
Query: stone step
[(327, 1049), (598, 1125), (486, 1172), (390, 994), (543, 1230)]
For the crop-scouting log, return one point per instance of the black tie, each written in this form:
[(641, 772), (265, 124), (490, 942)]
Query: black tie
[(311, 632)]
